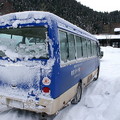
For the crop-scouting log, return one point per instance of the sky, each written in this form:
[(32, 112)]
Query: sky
[(102, 5)]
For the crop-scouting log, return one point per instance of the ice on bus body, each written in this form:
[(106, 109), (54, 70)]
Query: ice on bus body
[(13, 71), (23, 72)]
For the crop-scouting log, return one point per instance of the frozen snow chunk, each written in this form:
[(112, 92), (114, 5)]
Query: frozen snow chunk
[(7, 17), (23, 15), (93, 101), (38, 21), (113, 110), (16, 23), (40, 16)]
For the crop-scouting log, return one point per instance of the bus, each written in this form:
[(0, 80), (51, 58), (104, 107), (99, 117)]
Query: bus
[(45, 61)]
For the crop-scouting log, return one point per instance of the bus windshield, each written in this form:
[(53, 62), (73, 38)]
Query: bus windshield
[(24, 43)]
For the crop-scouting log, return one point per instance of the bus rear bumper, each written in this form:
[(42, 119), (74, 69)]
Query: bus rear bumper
[(44, 105)]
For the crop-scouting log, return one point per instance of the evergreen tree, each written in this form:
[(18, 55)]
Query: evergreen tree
[(72, 11)]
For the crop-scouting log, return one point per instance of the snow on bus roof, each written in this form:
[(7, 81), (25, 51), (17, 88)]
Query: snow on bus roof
[(107, 36), (26, 17), (117, 30)]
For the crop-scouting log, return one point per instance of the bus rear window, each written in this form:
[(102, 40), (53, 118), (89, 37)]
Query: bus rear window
[(24, 42)]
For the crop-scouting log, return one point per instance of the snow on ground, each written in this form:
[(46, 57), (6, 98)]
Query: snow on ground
[(100, 100)]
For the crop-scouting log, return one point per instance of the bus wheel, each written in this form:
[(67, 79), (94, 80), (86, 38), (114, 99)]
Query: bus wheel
[(78, 95), (97, 75)]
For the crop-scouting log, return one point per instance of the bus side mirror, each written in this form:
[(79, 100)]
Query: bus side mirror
[(101, 54)]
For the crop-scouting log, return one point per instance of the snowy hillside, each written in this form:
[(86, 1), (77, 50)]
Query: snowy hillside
[(100, 100)]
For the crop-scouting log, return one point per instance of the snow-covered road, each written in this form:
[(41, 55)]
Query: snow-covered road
[(100, 100)]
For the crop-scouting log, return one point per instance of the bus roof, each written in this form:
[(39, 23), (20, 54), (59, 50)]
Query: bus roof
[(18, 18)]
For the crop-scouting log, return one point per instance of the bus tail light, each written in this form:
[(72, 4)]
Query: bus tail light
[(46, 90)]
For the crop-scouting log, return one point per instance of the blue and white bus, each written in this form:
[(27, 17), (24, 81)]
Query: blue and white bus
[(45, 61)]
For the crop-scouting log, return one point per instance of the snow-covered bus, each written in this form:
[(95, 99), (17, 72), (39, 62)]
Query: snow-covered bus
[(45, 61)]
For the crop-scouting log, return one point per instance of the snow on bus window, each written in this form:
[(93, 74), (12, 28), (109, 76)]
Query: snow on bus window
[(24, 43)]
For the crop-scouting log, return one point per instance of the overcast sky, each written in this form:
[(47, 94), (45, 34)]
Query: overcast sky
[(102, 5)]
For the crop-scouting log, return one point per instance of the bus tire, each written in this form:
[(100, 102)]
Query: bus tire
[(78, 95), (97, 75)]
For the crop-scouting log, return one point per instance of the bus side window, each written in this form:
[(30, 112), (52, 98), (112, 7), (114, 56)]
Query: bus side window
[(79, 47), (98, 49), (94, 48), (92, 45), (63, 46), (89, 48), (84, 47), (71, 45)]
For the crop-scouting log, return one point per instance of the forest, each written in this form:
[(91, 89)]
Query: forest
[(73, 11)]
